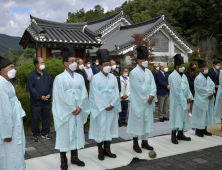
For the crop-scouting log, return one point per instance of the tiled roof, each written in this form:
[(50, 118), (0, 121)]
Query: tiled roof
[(98, 25), (49, 31)]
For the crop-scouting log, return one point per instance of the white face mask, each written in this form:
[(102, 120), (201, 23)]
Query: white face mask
[(145, 64), (157, 68), (114, 67), (88, 65), (97, 64), (73, 66), (125, 75), (217, 67), (205, 71), (106, 69), (11, 74), (81, 67), (181, 70), (165, 70), (41, 67), (117, 66)]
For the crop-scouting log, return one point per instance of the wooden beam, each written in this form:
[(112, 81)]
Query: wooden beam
[(48, 53), (26, 42)]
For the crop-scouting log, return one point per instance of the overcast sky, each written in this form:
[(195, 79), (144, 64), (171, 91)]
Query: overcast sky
[(15, 13)]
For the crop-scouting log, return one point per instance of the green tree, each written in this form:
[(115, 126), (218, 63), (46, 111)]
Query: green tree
[(29, 53)]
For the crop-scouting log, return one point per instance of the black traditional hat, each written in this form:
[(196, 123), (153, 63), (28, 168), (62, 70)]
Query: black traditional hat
[(4, 62), (142, 52), (67, 52), (201, 63), (178, 60), (216, 62), (103, 56)]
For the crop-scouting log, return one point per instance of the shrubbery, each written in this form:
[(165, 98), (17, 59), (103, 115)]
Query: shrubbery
[(53, 66)]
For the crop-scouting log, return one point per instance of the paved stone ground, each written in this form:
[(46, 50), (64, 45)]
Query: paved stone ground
[(210, 158)]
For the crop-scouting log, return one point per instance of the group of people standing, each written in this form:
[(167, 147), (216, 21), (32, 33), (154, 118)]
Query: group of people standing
[(108, 96)]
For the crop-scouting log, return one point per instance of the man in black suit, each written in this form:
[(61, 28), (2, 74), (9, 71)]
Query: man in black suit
[(95, 68), (214, 74), (155, 70), (118, 68), (80, 68), (163, 92)]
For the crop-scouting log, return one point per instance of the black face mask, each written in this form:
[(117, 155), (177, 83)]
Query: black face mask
[(194, 68)]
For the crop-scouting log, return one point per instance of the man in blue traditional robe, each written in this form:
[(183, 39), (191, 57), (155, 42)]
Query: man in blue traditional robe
[(142, 101), (203, 108), (12, 137), (218, 105), (104, 106), (180, 97), (70, 109)]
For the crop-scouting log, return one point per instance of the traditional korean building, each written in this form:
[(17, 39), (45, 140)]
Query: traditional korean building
[(113, 33), (117, 30), (47, 37)]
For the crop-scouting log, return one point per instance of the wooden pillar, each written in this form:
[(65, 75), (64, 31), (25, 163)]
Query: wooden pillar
[(84, 55), (48, 53), (44, 53), (39, 52)]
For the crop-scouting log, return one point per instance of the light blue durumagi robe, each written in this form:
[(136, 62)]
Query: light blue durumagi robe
[(103, 93), (218, 105), (11, 126), (142, 85), (179, 93), (68, 94), (203, 108)]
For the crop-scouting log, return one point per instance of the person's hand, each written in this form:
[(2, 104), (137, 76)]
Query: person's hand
[(109, 108), (150, 100), (89, 80), (48, 96), (168, 87), (211, 96), (188, 101), (126, 96), (217, 86), (44, 98), (7, 139), (77, 111)]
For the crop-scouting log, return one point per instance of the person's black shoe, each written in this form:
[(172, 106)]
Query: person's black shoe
[(35, 139), (101, 151), (199, 133), (183, 137), (124, 123), (165, 118), (174, 137), (46, 136), (146, 145), (161, 120), (75, 160), (136, 147), (64, 165), (206, 133), (107, 151), (120, 124)]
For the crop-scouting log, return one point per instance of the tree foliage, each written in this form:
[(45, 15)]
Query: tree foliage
[(199, 22)]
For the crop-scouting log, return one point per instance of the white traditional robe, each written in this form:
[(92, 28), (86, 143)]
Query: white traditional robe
[(103, 93), (68, 94), (11, 126), (203, 108), (179, 93), (142, 85), (218, 105)]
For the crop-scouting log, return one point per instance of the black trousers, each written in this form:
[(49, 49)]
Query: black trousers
[(122, 115), (36, 112)]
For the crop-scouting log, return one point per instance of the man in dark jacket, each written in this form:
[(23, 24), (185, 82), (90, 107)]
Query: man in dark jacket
[(118, 68), (163, 92), (95, 68), (80, 66), (40, 88), (214, 74)]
